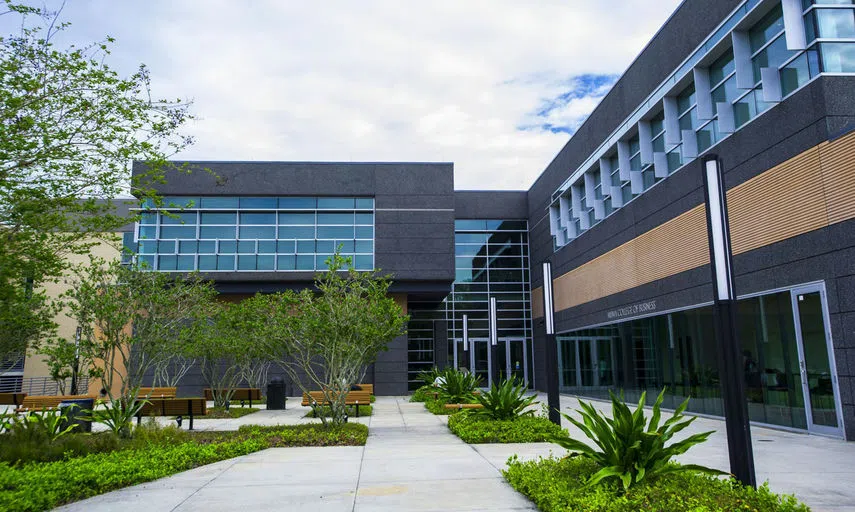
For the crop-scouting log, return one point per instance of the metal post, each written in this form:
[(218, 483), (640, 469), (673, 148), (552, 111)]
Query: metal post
[(76, 365), (731, 374), (494, 341), (466, 353), (551, 352)]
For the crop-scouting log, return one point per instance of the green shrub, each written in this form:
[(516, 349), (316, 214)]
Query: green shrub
[(154, 452), (233, 412), (506, 401), (457, 387), (438, 407), (364, 410), (428, 377), (561, 485), (118, 416), (423, 394), (473, 428), (631, 449)]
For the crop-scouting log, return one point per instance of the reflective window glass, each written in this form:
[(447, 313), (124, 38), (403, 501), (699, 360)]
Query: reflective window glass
[(364, 203), (296, 232), (722, 67), (266, 232), (186, 263), (211, 232), (335, 218), (836, 23), (338, 232), (258, 218), (218, 202), (207, 247), (285, 262), (207, 262), (286, 246), (246, 262), (187, 247), (766, 28), (305, 246), (364, 246), (148, 232), (325, 246), (166, 246), (363, 262), (364, 232), (219, 218), (148, 246), (264, 262), (336, 203), (305, 262), (304, 219), (259, 202), (365, 218), (298, 203), (345, 246), (178, 218), (178, 232), (167, 262), (266, 247), (838, 57), (148, 218), (245, 247), (225, 262), (228, 246)]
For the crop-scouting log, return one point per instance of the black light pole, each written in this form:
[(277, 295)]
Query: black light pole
[(731, 375), (551, 352), (466, 339), (494, 342), (75, 368)]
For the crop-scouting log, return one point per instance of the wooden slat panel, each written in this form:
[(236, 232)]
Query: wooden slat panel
[(838, 176), (781, 203), (807, 192)]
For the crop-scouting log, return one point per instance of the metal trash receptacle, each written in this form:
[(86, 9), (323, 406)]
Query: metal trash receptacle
[(77, 412), (276, 395)]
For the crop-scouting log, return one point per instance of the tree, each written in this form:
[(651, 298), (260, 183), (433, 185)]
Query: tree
[(224, 349), (70, 126), (129, 319), (326, 339)]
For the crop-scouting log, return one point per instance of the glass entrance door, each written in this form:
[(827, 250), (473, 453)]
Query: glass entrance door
[(511, 355), (480, 359), (816, 361), (513, 352)]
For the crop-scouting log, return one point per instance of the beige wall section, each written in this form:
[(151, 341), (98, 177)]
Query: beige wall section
[(807, 192), (34, 366)]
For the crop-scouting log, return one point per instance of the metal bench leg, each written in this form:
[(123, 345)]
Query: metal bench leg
[(190, 412)]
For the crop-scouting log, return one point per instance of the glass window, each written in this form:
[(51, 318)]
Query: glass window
[(835, 23), (325, 246), (797, 73), (771, 25), (364, 232), (211, 232), (335, 218), (186, 263), (686, 99), (305, 246), (166, 246), (188, 247), (744, 110), (228, 246), (264, 262), (689, 121), (296, 231), (219, 218), (178, 218), (148, 246), (148, 218), (268, 232), (657, 124), (334, 232), (146, 262), (285, 262), (365, 218), (336, 203), (838, 57), (724, 93), (363, 262), (179, 202), (246, 247), (219, 202), (298, 203), (708, 135), (321, 261), (771, 57), (259, 202), (246, 262), (299, 219), (364, 246), (305, 262), (167, 262), (470, 225), (675, 160), (721, 68), (364, 203), (207, 247), (207, 262), (258, 218), (346, 246), (178, 232), (148, 232), (225, 262), (267, 247), (286, 246)]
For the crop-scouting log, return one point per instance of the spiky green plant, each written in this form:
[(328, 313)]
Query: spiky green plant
[(430, 376), (507, 401), (458, 387), (631, 448)]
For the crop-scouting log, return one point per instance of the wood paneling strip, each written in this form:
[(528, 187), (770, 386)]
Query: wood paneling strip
[(807, 192)]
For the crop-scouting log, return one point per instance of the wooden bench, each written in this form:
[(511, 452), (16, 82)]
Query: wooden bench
[(180, 407), (38, 403), (12, 398), (464, 406), (356, 398), (241, 394), (158, 392), (367, 387)]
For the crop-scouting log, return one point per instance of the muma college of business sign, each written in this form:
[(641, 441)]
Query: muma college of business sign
[(633, 310)]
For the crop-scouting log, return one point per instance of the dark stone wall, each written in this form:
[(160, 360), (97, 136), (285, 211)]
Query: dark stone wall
[(500, 205)]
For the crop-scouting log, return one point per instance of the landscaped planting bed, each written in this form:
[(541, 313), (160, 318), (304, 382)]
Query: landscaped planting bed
[(559, 485), (98, 463), (475, 429), (364, 410), (216, 413)]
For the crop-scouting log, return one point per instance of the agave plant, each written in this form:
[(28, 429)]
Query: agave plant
[(47, 424), (458, 387), (430, 376), (117, 417), (506, 401), (631, 448)]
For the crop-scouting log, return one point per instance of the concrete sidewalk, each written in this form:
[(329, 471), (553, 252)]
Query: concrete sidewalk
[(411, 462)]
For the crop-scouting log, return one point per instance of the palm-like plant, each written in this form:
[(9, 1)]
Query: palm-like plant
[(631, 448), (458, 387), (430, 376), (506, 401)]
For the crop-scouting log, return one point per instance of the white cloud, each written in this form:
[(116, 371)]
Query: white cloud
[(377, 80)]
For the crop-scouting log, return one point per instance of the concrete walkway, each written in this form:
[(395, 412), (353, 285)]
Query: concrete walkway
[(411, 462)]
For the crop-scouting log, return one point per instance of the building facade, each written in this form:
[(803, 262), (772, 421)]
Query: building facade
[(767, 85)]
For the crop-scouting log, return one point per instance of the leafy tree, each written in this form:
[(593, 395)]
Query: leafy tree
[(129, 319), (70, 126), (325, 339), (224, 349)]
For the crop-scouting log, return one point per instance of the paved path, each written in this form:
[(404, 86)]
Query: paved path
[(411, 462)]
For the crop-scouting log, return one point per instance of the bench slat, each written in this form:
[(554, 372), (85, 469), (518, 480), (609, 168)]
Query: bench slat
[(362, 397)]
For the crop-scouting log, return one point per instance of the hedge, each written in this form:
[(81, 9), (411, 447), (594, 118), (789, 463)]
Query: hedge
[(525, 429)]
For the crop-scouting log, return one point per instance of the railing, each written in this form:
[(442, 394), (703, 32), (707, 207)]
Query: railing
[(39, 385)]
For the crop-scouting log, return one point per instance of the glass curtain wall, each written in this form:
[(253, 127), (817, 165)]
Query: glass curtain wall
[(491, 260), (678, 351), (216, 234)]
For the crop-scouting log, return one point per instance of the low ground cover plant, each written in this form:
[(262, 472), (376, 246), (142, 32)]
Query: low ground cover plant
[(424, 393), (475, 428), (562, 485), (364, 410), (154, 452)]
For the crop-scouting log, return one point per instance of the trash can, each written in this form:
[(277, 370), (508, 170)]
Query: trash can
[(77, 412), (276, 394)]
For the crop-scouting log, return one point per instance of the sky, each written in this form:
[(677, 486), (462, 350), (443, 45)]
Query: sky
[(495, 86)]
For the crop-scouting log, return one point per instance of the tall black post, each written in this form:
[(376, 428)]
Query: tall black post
[(553, 400), (731, 372)]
